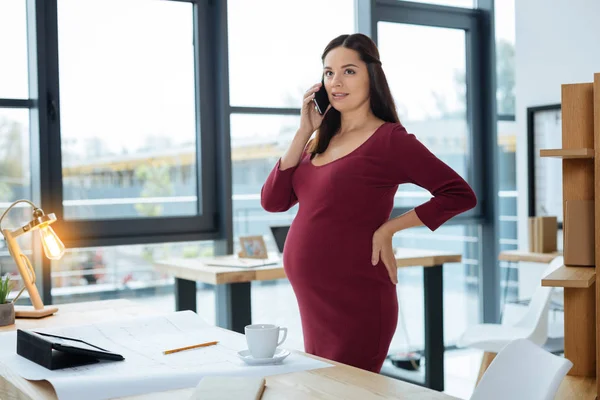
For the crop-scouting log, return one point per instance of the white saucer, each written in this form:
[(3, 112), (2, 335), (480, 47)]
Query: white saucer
[(278, 357)]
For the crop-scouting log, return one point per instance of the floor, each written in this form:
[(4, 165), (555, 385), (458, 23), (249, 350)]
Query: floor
[(461, 366)]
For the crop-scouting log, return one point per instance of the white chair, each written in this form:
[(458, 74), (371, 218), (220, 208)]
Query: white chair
[(491, 338), (522, 371)]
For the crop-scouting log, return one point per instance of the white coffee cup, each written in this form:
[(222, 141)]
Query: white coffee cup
[(263, 339)]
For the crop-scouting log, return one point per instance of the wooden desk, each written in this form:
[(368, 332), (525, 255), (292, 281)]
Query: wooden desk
[(515, 256), (338, 382), (233, 296)]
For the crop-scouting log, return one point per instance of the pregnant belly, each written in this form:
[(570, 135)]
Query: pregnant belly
[(319, 253)]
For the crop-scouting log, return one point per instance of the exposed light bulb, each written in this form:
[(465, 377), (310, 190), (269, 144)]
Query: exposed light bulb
[(53, 247)]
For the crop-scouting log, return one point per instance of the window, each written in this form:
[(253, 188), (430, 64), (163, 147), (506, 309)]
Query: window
[(505, 56), (272, 64), (257, 142), (13, 50), (15, 179), (461, 284), (434, 103), (430, 96), (15, 162), (128, 109), (118, 272)]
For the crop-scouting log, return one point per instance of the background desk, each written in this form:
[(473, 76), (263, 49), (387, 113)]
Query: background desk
[(517, 256), (527, 256), (338, 382), (233, 297)]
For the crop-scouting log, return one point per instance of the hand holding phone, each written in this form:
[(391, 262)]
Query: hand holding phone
[(314, 106), (321, 100)]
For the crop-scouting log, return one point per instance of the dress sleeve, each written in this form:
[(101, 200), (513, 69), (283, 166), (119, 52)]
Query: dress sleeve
[(277, 193), (412, 162)]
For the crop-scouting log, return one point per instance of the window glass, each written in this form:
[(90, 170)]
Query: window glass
[(13, 50), (272, 64), (505, 56), (430, 96), (15, 181), (128, 109)]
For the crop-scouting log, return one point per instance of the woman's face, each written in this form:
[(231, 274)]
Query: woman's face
[(346, 79)]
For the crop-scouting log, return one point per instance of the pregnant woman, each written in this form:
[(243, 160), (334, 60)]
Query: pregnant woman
[(338, 254)]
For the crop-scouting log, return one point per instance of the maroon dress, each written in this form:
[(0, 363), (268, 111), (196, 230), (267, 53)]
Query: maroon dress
[(349, 307)]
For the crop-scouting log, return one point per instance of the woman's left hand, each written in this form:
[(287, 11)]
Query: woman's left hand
[(382, 249)]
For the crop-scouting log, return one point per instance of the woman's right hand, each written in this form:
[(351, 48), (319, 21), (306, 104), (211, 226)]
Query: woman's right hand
[(310, 119)]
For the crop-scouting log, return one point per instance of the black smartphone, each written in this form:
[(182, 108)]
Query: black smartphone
[(321, 100)]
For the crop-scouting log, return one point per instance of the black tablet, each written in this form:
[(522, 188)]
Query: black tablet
[(76, 346)]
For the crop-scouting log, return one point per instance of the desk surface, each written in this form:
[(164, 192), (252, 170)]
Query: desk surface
[(194, 269), (527, 256), (338, 382)]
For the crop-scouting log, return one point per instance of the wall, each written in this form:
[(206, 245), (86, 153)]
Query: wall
[(556, 42)]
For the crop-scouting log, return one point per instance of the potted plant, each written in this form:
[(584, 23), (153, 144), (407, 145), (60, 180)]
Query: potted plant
[(7, 308)]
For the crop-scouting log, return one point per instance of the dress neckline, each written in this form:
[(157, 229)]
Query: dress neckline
[(353, 151)]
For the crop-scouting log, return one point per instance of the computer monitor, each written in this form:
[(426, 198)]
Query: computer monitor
[(280, 234)]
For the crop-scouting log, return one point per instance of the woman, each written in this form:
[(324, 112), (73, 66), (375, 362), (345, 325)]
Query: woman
[(338, 254)]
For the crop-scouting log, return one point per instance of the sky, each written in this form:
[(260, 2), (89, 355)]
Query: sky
[(127, 75)]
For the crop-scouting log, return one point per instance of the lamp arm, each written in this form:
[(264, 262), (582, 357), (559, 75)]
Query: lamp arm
[(31, 276), (11, 206)]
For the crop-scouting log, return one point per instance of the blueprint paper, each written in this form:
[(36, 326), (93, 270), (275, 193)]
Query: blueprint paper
[(146, 369)]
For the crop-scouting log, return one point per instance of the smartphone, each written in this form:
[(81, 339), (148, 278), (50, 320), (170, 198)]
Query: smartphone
[(321, 100)]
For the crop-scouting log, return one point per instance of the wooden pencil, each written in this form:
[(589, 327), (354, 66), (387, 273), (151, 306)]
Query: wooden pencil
[(195, 346)]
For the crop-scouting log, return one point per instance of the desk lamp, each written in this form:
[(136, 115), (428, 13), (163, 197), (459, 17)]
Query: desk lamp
[(53, 248)]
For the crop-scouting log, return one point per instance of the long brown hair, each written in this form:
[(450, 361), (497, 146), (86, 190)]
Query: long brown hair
[(381, 100)]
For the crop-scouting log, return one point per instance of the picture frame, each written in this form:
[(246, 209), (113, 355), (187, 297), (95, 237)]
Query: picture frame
[(253, 247), (544, 131)]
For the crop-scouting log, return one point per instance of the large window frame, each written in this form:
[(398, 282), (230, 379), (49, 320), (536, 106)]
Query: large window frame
[(478, 24), (207, 224)]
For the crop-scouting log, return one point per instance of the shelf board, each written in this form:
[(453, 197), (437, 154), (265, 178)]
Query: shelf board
[(567, 153), (571, 277)]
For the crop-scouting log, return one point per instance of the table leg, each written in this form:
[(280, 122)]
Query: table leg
[(506, 277), (233, 303), (434, 327), (185, 295)]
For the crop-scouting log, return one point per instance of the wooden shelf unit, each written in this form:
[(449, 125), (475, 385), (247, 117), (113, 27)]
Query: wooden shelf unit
[(580, 157)]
